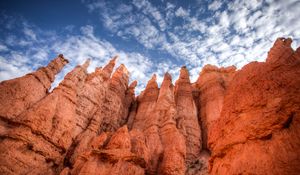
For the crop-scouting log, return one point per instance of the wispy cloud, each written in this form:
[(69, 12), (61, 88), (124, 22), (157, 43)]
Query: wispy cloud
[(232, 33), (169, 35), (77, 48), (215, 5)]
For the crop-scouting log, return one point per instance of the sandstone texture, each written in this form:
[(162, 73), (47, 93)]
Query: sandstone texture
[(227, 122), (258, 131), (212, 85)]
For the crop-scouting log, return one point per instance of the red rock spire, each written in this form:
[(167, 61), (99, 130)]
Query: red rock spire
[(119, 80), (166, 113), (108, 69), (17, 95), (187, 116), (48, 126), (151, 91), (81, 127), (281, 51)]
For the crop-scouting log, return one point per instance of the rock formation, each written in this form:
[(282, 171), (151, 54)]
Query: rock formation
[(187, 116), (258, 131), (16, 94), (212, 84), (228, 122)]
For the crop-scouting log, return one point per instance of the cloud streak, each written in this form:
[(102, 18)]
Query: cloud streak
[(237, 27), (77, 48), (167, 35)]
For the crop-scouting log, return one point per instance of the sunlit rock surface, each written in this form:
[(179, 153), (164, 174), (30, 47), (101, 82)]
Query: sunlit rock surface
[(227, 122)]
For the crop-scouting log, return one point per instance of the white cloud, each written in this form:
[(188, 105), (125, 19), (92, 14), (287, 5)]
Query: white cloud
[(150, 11), (76, 48), (215, 5), (9, 70), (3, 48), (123, 8), (224, 19), (29, 32), (180, 12), (232, 33)]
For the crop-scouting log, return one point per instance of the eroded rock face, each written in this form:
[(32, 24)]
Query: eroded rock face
[(39, 136), (243, 122), (212, 84), (111, 154), (173, 142), (258, 131), (91, 98), (187, 116), (147, 122), (17, 95)]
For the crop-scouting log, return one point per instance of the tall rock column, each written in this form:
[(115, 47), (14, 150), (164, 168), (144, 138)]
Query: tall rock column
[(212, 84), (187, 118), (146, 121), (115, 109), (90, 139), (110, 113), (91, 97), (174, 147), (17, 95), (92, 94), (37, 140)]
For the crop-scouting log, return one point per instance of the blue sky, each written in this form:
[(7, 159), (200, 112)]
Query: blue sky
[(149, 36)]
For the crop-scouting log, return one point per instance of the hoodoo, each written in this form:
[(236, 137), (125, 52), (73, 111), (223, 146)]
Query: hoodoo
[(229, 121)]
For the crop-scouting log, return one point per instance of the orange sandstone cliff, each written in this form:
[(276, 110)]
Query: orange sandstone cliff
[(227, 122)]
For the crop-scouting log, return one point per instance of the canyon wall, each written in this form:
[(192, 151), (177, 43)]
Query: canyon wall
[(227, 122)]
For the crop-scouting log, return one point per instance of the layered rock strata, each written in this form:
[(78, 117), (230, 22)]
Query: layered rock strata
[(228, 122)]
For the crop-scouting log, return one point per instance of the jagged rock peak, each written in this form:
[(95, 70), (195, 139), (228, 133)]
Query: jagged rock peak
[(184, 74), (54, 67), (61, 56), (107, 70), (114, 59), (79, 73), (211, 68), (150, 93), (153, 77), (97, 73), (182, 84), (133, 84), (232, 120), (131, 87), (122, 68), (285, 41), (167, 76), (19, 94), (86, 63), (97, 69), (167, 81), (166, 90), (119, 79), (152, 83), (281, 51), (121, 74)]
